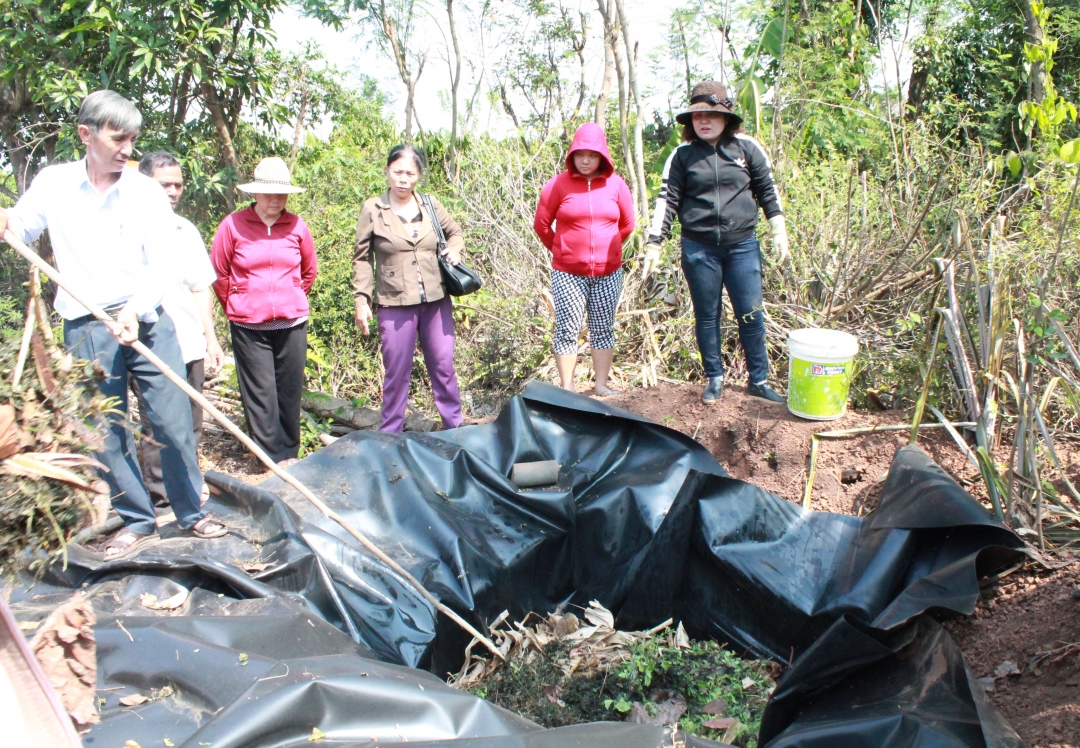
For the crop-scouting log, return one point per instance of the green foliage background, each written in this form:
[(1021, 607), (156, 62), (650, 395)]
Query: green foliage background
[(872, 177)]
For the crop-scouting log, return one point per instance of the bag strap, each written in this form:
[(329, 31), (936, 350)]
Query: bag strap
[(430, 207)]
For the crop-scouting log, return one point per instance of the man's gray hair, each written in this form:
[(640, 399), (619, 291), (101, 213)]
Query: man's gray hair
[(109, 109), (155, 160)]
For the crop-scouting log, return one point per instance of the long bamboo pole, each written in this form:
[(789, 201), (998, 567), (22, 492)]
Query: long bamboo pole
[(232, 428)]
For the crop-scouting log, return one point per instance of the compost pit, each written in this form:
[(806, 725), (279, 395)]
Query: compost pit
[(562, 669), (760, 442)]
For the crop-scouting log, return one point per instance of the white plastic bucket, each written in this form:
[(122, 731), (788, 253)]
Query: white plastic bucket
[(819, 372)]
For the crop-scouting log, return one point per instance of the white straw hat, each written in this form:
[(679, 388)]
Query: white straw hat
[(271, 178)]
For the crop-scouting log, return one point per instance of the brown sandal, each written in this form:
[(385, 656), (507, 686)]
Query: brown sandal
[(124, 541), (207, 528)]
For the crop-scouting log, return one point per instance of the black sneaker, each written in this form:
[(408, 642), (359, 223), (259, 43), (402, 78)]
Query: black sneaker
[(711, 393), (765, 391)]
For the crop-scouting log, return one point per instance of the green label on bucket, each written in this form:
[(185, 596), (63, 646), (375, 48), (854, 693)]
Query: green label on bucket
[(818, 390)]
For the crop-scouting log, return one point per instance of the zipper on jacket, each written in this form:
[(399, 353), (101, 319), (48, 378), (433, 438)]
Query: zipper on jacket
[(592, 242), (716, 182), (273, 306)]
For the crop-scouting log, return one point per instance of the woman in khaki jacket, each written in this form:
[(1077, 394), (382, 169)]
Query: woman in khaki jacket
[(396, 271)]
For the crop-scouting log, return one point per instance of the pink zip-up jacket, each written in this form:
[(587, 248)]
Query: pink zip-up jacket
[(592, 217), (263, 272)]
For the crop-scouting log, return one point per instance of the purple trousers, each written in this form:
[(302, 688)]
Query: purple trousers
[(398, 328)]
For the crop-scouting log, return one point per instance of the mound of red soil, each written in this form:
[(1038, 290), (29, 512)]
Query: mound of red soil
[(762, 443), (1028, 613)]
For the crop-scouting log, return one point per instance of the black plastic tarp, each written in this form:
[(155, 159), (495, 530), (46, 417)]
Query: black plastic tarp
[(642, 519), (861, 686)]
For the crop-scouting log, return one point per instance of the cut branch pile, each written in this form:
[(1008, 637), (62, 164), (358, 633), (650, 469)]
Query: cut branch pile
[(594, 645), (49, 488)]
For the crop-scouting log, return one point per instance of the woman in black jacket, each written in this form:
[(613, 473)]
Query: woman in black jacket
[(715, 182)]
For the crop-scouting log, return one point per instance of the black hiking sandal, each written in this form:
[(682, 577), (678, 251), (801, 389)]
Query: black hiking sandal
[(711, 394), (764, 391)]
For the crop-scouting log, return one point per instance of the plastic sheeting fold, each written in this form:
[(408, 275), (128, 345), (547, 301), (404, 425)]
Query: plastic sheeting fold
[(642, 519)]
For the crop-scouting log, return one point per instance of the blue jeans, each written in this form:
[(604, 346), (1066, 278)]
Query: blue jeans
[(168, 412), (709, 269)]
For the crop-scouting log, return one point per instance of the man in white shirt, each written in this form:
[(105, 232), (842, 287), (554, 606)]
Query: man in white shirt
[(106, 224), (190, 303)]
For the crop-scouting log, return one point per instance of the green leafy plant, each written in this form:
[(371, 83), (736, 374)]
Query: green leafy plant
[(310, 430), (701, 673)]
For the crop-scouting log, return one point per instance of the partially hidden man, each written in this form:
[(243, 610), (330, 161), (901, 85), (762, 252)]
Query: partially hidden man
[(189, 301), (107, 227)]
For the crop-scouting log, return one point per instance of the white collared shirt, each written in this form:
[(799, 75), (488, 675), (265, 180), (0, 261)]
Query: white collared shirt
[(108, 245), (189, 272)]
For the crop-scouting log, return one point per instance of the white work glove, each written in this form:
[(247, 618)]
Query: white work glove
[(651, 261), (778, 230)]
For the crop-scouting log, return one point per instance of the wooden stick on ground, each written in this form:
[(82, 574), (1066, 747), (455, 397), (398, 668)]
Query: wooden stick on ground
[(233, 429)]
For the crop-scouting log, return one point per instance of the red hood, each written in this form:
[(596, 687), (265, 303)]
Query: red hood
[(589, 137)]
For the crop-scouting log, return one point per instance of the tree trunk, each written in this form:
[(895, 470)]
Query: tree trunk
[(631, 74), (611, 37), (416, 118), (1036, 85), (624, 119), (723, 42), (217, 114), (920, 72), (305, 99), (15, 103), (408, 112), (579, 48), (686, 52), (399, 53), (15, 149), (600, 113), (455, 86), (183, 100), (509, 109)]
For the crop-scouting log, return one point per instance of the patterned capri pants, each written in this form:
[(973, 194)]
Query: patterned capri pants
[(576, 293)]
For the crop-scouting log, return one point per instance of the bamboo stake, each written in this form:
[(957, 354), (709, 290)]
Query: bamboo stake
[(24, 346), (233, 429)]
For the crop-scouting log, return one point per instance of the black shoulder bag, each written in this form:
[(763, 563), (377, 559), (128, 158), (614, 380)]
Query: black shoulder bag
[(460, 279)]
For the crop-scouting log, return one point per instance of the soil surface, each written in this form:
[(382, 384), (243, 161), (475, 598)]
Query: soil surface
[(762, 443), (220, 451), (1030, 611), (1027, 613)]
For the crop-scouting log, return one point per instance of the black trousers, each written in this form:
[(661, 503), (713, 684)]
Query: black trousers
[(150, 448), (270, 369)]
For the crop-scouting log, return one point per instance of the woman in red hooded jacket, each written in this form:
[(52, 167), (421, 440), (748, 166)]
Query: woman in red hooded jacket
[(593, 213)]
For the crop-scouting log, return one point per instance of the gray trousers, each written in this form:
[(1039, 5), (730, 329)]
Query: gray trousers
[(167, 411)]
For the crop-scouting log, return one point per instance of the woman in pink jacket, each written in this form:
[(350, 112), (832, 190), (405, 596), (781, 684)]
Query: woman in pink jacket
[(593, 213), (264, 258)]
